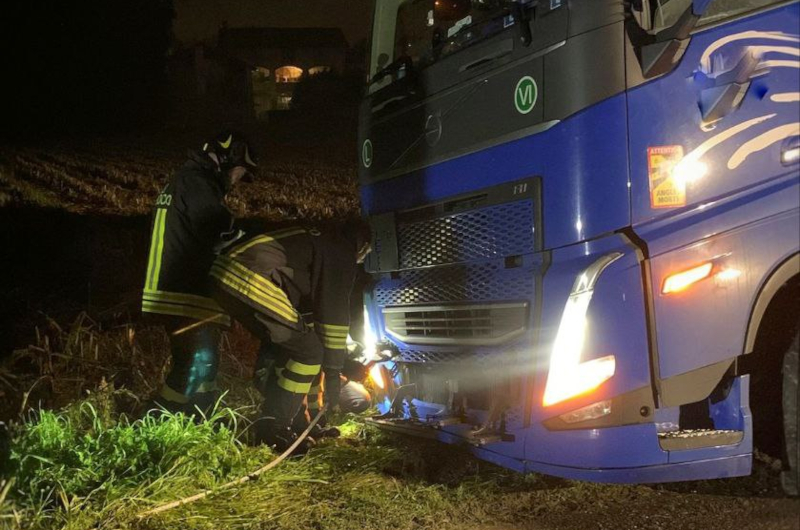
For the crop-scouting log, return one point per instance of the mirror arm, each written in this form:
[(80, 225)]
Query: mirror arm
[(681, 29), (658, 53)]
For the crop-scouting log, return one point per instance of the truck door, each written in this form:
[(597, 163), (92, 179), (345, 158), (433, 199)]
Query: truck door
[(714, 130)]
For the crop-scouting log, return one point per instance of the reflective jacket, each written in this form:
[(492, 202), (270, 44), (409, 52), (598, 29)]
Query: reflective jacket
[(278, 273), (189, 220)]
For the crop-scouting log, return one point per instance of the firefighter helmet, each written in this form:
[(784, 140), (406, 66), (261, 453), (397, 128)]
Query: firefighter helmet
[(232, 149)]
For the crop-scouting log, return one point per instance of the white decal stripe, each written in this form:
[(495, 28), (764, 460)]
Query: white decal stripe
[(714, 141), (781, 64), (787, 97), (759, 143), (705, 60), (785, 50)]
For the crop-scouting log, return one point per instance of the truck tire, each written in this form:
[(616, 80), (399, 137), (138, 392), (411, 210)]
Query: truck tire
[(790, 478)]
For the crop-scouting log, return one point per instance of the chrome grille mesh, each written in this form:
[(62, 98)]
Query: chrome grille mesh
[(464, 325), (492, 232), (462, 283)]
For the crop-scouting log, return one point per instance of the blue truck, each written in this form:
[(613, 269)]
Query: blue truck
[(587, 231)]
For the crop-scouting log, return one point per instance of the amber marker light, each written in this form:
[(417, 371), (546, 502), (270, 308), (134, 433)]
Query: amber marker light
[(728, 274), (680, 281)]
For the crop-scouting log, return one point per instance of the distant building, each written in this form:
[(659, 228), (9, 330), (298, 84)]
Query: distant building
[(208, 84), (280, 57)]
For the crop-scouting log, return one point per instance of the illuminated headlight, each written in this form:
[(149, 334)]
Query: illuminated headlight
[(370, 340), (376, 374), (568, 377)]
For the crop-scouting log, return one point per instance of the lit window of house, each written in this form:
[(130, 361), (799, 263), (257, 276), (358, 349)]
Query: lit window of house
[(288, 74), (315, 70)]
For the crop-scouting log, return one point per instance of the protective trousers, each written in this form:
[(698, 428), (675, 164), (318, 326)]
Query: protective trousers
[(269, 365), (192, 380), (299, 361)]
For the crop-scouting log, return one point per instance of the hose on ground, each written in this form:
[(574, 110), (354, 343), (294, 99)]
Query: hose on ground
[(242, 480)]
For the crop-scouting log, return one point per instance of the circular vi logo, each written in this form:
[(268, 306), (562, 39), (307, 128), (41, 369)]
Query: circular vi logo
[(525, 95), (366, 153)]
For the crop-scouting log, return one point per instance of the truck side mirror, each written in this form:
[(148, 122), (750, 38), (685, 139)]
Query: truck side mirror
[(659, 52)]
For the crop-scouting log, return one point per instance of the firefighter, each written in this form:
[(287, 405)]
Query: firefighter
[(190, 226), (263, 281), (351, 396)]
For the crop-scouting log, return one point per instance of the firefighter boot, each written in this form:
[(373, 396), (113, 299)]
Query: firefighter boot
[(274, 427), (320, 430), (280, 436)]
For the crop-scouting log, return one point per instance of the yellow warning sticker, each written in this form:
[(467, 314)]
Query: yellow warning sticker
[(665, 190)]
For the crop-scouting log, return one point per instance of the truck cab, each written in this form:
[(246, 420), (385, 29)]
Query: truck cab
[(586, 228)]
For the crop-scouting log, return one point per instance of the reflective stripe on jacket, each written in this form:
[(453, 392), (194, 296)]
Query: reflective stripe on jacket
[(278, 272), (189, 219)]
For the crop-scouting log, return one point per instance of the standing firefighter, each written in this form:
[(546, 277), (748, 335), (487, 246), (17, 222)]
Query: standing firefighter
[(263, 281), (190, 223)]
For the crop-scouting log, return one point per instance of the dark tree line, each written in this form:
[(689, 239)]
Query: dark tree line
[(83, 64)]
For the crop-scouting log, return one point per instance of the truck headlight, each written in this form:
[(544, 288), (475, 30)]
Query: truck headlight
[(568, 376)]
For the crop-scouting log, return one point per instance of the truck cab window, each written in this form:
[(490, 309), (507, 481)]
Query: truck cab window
[(722, 9), (417, 33)]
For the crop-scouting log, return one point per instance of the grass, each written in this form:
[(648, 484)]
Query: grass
[(66, 362), (83, 461), (88, 467)]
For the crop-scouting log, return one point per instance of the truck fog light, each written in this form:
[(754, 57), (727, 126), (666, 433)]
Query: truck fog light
[(590, 412), (376, 374)]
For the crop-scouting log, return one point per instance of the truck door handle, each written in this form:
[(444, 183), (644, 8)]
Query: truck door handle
[(728, 89), (496, 52)]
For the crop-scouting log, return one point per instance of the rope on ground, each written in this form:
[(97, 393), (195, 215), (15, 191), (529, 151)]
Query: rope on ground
[(243, 480), (194, 325)]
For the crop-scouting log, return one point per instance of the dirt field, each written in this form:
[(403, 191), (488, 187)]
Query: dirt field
[(364, 481), (120, 176)]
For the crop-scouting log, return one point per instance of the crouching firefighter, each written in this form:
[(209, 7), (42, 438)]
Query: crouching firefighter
[(262, 283), (190, 226)]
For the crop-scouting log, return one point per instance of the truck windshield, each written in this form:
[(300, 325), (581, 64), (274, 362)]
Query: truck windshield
[(416, 33)]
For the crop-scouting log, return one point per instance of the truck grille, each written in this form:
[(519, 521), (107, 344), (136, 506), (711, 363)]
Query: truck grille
[(486, 233), (477, 282), (467, 325)]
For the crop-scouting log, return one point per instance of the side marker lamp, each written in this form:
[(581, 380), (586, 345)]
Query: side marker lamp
[(568, 377), (680, 281)]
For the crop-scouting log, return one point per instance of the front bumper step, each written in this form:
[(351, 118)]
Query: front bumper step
[(697, 439), (429, 429)]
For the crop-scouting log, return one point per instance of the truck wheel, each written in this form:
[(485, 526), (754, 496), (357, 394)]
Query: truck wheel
[(790, 478)]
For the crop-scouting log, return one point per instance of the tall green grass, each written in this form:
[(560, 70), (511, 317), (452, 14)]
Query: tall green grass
[(88, 461), (88, 467)]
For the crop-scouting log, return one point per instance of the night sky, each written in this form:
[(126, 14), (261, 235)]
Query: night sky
[(200, 19), (100, 64)]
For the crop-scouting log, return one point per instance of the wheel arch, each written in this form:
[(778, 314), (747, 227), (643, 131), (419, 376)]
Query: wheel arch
[(782, 275)]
